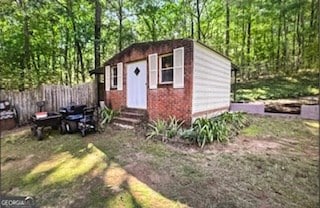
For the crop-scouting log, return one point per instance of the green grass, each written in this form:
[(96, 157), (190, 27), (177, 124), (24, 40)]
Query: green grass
[(119, 169), (304, 83)]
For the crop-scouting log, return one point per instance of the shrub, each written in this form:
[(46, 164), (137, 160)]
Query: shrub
[(164, 129), (220, 128), (106, 115), (173, 127), (157, 128)]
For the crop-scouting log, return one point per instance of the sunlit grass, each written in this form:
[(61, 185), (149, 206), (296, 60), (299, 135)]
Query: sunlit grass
[(263, 127), (313, 127), (65, 167), (123, 183), (122, 199), (304, 83), (147, 197)]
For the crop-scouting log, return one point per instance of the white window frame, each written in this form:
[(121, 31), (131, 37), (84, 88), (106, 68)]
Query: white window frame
[(113, 85), (169, 68)]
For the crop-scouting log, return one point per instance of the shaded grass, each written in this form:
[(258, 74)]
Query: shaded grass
[(118, 169), (65, 175), (304, 83)]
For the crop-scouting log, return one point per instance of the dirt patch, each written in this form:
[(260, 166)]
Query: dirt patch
[(252, 146), (239, 145), (17, 130), (146, 174), (20, 164)]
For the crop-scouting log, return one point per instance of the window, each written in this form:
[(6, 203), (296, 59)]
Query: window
[(114, 77), (166, 69)]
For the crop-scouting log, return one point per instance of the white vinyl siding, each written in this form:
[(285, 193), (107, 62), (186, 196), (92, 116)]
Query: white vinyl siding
[(107, 78), (153, 70), (120, 76), (178, 68), (211, 80)]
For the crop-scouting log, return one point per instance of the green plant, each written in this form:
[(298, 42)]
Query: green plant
[(164, 129), (220, 128), (106, 115), (209, 130), (173, 127), (157, 128)]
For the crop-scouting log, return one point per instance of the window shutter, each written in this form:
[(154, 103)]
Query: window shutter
[(178, 68), (107, 78), (153, 71), (119, 74)]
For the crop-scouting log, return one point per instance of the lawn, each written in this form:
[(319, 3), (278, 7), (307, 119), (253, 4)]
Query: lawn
[(272, 163), (303, 83)]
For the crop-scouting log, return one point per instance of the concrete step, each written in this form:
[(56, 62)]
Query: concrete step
[(126, 121), (133, 115), (134, 110), (123, 126)]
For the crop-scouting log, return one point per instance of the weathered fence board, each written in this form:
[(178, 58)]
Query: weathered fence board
[(56, 96)]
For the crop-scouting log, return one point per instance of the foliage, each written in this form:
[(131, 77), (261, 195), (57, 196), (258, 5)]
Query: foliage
[(53, 41), (173, 127), (106, 115), (220, 128), (164, 129)]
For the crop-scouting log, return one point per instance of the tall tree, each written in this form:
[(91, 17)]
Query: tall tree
[(97, 34), (227, 28)]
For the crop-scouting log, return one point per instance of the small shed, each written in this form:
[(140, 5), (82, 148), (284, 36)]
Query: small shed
[(182, 78)]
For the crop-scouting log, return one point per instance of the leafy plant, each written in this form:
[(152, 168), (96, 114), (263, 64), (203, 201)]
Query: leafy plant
[(220, 128), (106, 115), (164, 129), (173, 127), (157, 128)]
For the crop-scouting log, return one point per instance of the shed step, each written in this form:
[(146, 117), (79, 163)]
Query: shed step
[(124, 126), (126, 121), (133, 115), (134, 110)]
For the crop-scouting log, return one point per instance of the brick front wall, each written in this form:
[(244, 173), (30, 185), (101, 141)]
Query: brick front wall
[(115, 99), (164, 101)]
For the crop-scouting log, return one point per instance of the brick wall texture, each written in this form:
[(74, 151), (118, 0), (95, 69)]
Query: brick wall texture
[(164, 101)]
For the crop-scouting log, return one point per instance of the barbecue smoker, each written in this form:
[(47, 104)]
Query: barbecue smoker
[(42, 119)]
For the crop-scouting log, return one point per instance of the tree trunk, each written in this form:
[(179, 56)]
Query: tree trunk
[(192, 26), (68, 73), (279, 43), (285, 43), (302, 37), (76, 41), (248, 42), (120, 24), (198, 20), (97, 34), (299, 41), (25, 65), (53, 45), (227, 28), (244, 37)]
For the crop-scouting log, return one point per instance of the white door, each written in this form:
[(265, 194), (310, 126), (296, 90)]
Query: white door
[(137, 85)]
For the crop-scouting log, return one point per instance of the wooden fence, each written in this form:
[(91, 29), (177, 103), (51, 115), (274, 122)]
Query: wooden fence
[(55, 96)]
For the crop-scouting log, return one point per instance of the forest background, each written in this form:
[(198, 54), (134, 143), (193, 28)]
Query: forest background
[(60, 41)]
